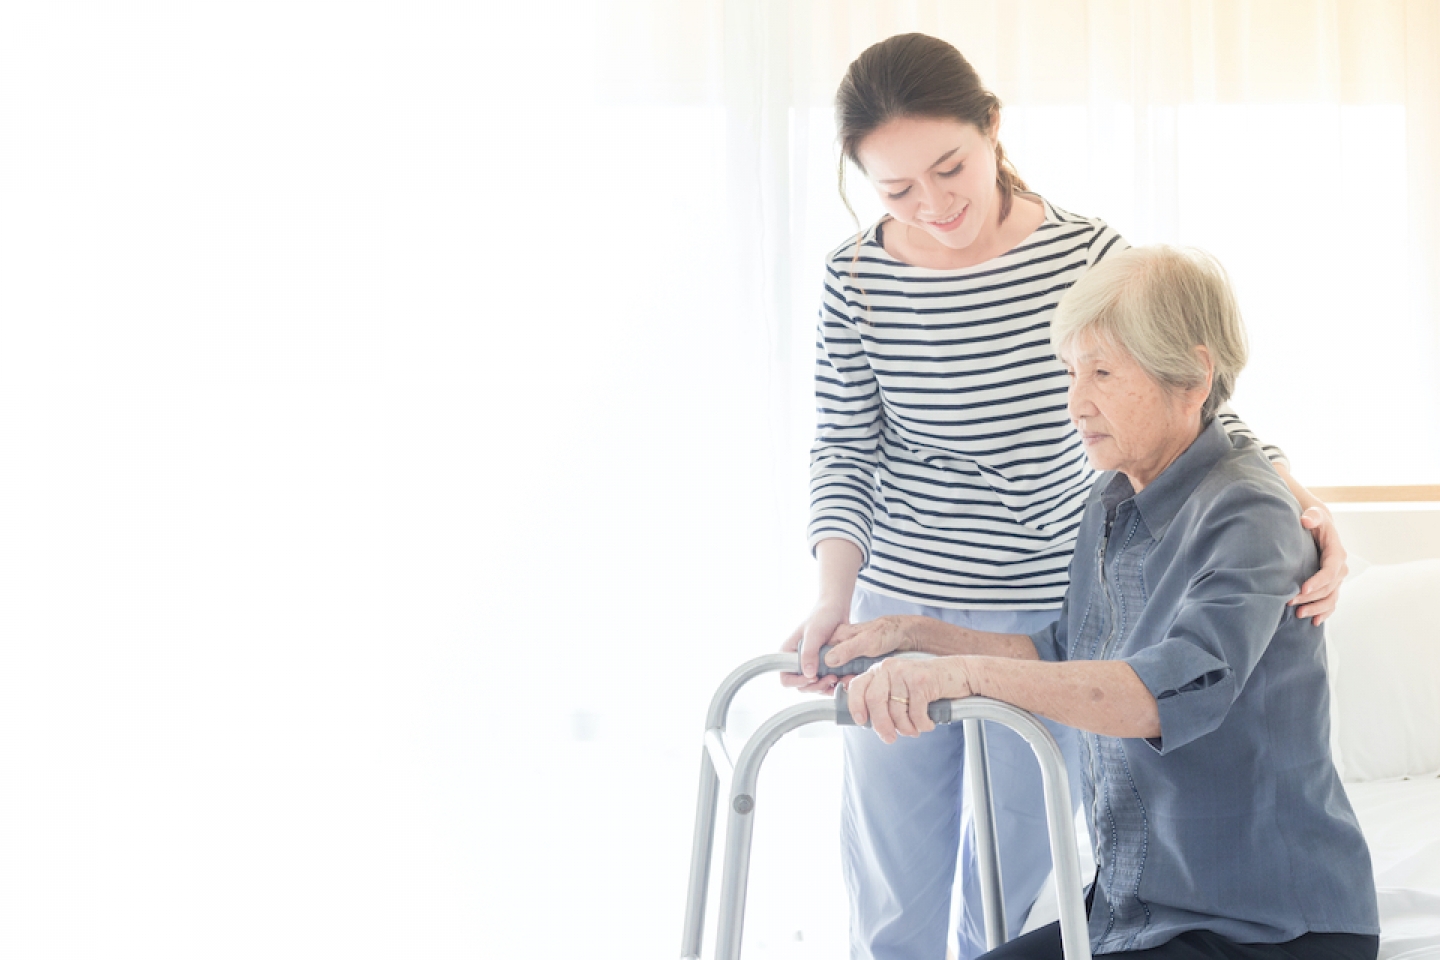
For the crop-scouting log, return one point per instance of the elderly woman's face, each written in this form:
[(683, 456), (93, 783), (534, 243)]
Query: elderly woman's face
[(1128, 421)]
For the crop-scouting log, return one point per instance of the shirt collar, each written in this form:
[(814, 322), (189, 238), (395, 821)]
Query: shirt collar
[(1161, 500)]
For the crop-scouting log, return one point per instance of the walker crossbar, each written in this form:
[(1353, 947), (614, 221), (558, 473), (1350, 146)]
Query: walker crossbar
[(741, 776)]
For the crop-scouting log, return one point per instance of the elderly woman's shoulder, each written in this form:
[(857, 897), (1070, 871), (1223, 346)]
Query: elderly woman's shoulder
[(1244, 479), (1243, 511)]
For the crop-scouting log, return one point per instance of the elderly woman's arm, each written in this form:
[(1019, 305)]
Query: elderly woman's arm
[(901, 633), (1104, 697)]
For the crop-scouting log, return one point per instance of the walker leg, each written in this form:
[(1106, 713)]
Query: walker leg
[(700, 852), (735, 876), (715, 763), (987, 844), (740, 824)]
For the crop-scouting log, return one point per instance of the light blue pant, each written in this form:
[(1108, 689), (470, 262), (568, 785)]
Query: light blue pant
[(901, 818)]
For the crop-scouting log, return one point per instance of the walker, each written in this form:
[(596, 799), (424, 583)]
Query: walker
[(739, 777)]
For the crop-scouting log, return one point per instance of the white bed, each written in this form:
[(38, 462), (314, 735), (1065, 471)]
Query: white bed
[(1401, 820), (1384, 646), (1384, 649)]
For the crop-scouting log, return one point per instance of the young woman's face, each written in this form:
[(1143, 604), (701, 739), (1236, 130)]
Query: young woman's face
[(935, 175)]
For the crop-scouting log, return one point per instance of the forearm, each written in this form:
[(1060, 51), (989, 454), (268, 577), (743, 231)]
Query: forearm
[(1104, 697), (948, 640), (839, 562)]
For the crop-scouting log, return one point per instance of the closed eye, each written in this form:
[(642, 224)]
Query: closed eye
[(897, 196), (953, 170)]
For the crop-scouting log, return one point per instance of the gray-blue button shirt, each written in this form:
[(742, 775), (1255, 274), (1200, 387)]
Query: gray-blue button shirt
[(1233, 819)]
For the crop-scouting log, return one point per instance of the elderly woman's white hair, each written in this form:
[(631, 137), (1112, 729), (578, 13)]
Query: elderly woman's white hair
[(1158, 304)]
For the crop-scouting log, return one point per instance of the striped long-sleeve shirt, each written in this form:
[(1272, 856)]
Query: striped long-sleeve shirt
[(943, 447)]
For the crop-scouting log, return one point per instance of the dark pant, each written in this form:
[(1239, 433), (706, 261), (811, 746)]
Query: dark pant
[(1044, 944)]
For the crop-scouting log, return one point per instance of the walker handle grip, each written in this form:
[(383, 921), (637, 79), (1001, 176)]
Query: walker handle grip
[(851, 669), (939, 710)]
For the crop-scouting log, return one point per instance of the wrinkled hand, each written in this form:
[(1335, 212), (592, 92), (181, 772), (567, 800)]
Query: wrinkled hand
[(894, 696), (1319, 595), (873, 638), (808, 638)]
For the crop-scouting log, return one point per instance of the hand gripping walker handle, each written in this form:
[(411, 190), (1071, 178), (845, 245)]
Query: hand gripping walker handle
[(939, 710)]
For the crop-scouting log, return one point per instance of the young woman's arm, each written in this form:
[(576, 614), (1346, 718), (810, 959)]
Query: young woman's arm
[(1318, 595), (842, 470)]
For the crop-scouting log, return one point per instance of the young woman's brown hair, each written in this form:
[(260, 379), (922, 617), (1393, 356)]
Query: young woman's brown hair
[(914, 75)]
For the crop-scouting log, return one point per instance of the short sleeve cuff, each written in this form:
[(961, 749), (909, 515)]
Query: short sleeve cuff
[(834, 529), (1193, 689), (1047, 643)]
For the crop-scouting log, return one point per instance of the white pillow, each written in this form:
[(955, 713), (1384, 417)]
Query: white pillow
[(1384, 659)]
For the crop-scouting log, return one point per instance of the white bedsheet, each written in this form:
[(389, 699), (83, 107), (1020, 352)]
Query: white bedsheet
[(1401, 820)]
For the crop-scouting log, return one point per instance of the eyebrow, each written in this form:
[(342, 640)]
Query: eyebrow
[(937, 163)]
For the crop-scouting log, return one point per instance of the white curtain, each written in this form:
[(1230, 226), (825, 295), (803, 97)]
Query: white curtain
[(406, 411), (1296, 140)]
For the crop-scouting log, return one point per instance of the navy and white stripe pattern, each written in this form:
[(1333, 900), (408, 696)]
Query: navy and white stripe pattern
[(943, 447)]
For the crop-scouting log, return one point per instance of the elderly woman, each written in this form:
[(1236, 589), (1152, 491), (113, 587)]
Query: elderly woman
[(1219, 824)]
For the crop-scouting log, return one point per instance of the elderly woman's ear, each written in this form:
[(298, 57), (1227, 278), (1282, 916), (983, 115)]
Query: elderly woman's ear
[(1202, 353)]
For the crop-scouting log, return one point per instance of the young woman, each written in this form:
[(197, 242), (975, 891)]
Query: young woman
[(946, 478)]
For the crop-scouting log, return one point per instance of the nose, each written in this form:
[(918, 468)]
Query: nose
[(933, 198), (1078, 401)]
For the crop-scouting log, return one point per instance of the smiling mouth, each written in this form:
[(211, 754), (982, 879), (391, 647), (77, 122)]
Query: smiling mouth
[(951, 222)]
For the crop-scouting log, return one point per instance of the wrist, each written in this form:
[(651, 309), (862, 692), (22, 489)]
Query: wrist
[(960, 678), (977, 676), (919, 634), (942, 639)]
